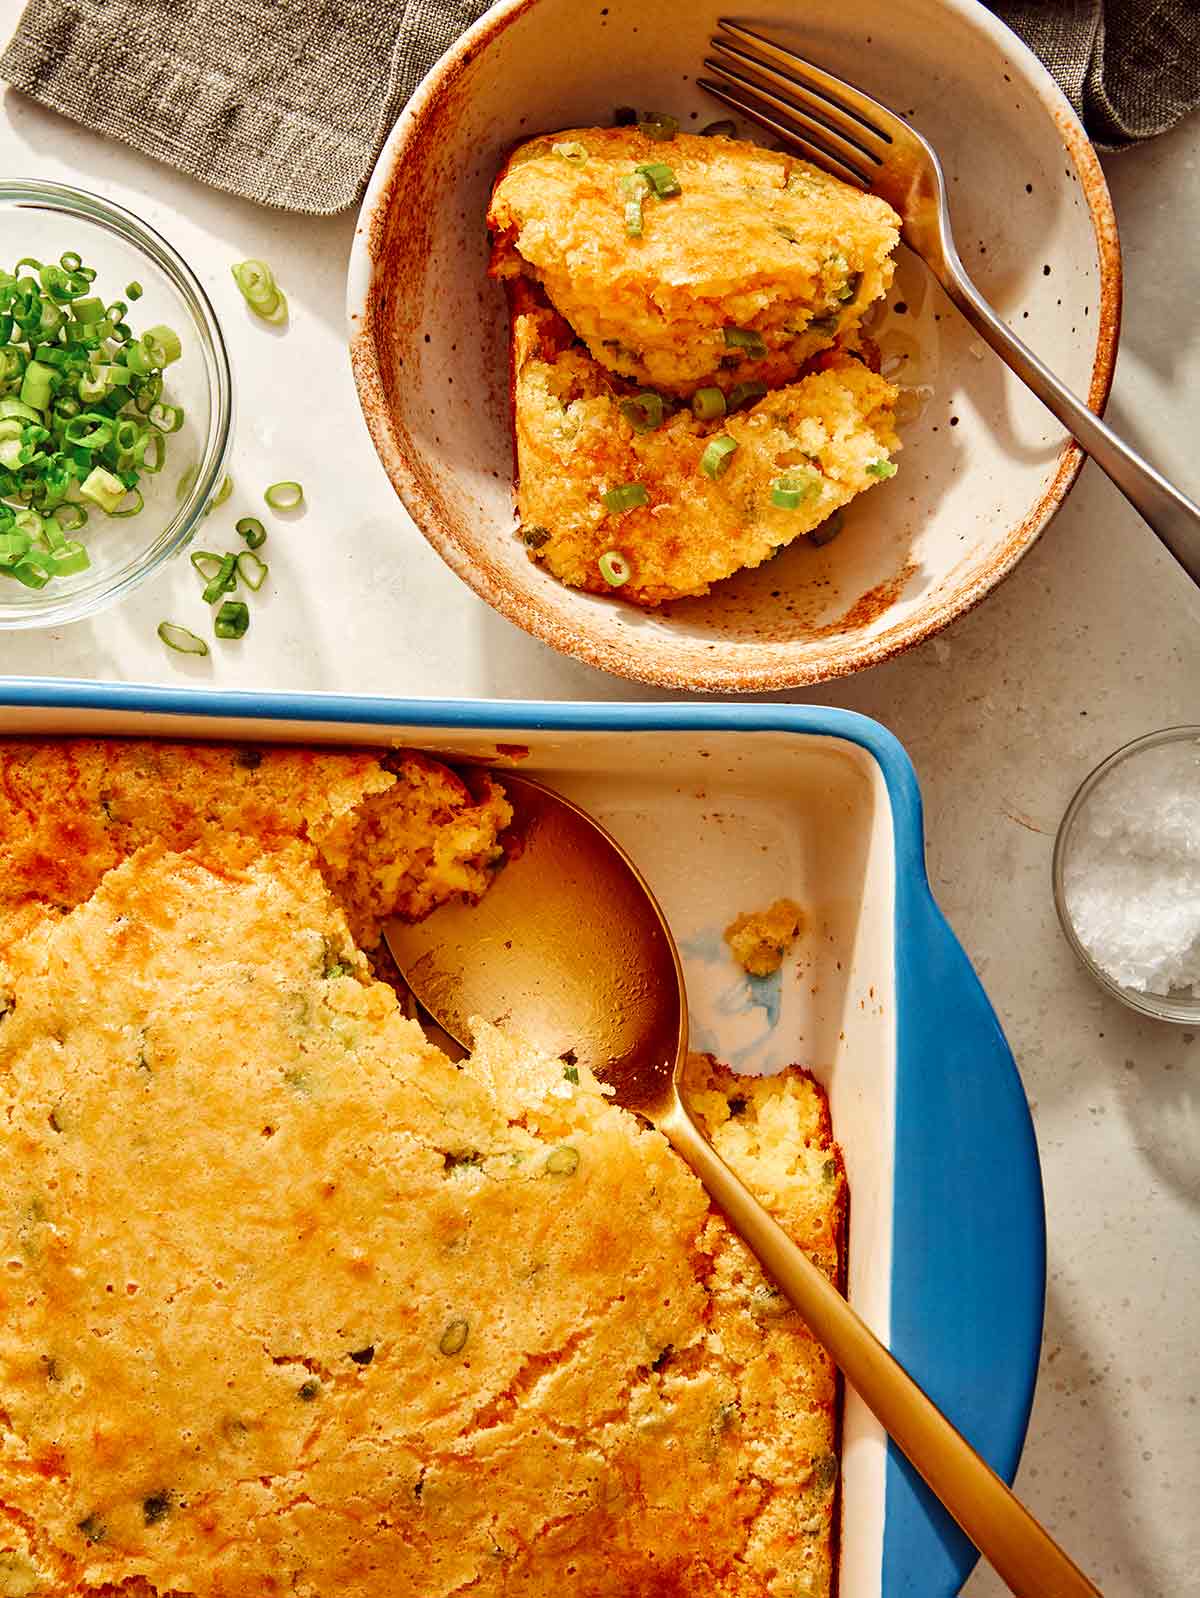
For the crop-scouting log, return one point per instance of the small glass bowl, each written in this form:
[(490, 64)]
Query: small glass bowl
[(44, 220), (1178, 1007)]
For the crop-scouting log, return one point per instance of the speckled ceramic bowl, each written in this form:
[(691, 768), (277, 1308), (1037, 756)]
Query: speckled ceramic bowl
[(984, 465)]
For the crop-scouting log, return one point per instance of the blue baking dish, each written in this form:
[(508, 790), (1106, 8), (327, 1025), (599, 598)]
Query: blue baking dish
[(724, 807)]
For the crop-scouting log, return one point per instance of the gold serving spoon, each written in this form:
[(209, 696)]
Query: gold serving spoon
[(570, 948)]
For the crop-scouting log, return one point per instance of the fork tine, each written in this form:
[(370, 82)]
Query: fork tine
[(798, 100), (749, 101), (851, 152), (842, 96)]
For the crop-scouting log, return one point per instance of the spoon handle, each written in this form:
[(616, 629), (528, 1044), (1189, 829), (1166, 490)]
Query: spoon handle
[(1023, 1554)]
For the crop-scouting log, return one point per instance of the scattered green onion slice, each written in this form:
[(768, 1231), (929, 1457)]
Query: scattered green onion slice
[(644, 412), (745, 339), (454, 1339), (635, 186), (221, 582), (614, 568), (717, 454), (133, 290), (825, 532), (284, 496), (708, 404), (206, 562), (222, 493), (824, 324), (744, 393), (657, 125), (260, 291), (660, 178), (850, 287), (251, 570), (571, 151), (180, 639), (881, 469), (232, 620), (252, 530), (785, 232), (724, 129), (791, 489), (633, 219), (626, 496), (563, 1161)]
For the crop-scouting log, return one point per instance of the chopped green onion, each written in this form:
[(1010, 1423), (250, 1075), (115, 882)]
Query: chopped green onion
[(222, 493), (724, 129), (644, 412), (206, 562), (624, 116), (571, 151), (708, 404), (534, 537), (717, 455), (284, 496), (454, 1339), (260, 291), (850, 288), (222, 580), (251, 570), (76, 387), (744, 393), (791, 489), (180, 639), (626, 496), (823, 324), (785, 232), (745, 339), (69, 559), (657, 125), (614, 568), (103, 489), (252, 530), (635, 186), (232, 620), (881, 469), (133, 290), (162, 345), (825, 532), (660, 178), (563, 1161), (168, 418)]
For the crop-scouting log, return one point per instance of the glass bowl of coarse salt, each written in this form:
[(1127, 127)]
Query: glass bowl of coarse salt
[(1127, 874)]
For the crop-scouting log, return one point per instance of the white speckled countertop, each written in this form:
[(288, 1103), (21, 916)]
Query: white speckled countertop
[(1095, 639)]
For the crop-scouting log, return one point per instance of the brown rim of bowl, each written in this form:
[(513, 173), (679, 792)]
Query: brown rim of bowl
[(769, 675)]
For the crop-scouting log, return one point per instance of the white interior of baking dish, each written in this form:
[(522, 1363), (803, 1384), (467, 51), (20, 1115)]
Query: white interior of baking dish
[(979, 463), (719, 823)]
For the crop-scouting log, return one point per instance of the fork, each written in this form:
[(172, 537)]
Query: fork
[(854, 137)]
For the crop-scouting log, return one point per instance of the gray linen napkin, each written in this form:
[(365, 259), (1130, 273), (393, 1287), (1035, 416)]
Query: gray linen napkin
[(286, 102)]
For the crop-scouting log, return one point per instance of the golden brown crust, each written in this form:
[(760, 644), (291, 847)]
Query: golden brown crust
[(71, 809), (292, 1305), (756, 240)]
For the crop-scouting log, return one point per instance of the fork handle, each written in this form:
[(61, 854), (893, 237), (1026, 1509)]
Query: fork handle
[(1172, 515), (1022, 1552)]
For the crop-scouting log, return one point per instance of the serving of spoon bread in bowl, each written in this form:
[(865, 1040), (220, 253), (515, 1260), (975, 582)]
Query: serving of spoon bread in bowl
[(566, 127)]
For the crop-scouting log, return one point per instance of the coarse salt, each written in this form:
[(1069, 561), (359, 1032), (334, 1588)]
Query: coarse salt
[(1131, 877)]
